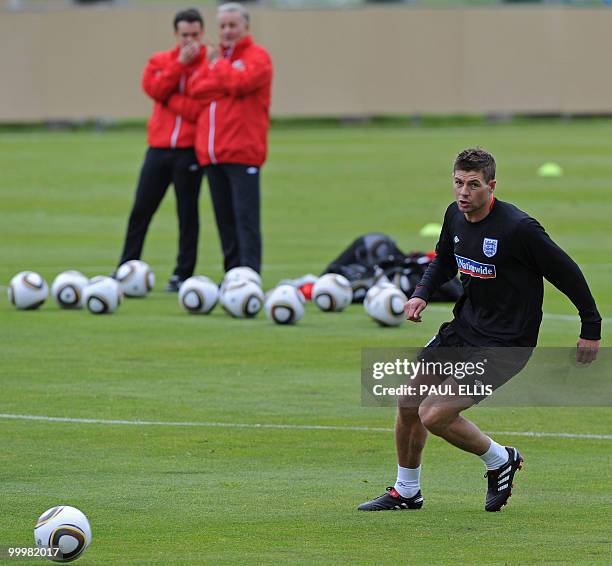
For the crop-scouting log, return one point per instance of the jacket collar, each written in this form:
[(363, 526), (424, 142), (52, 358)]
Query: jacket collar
[(239, 48)]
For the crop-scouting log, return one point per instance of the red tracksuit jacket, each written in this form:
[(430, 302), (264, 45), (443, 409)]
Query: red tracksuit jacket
[(164, 76), (234, 106)]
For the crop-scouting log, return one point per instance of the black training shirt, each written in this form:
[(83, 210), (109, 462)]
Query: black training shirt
[(502, 260)]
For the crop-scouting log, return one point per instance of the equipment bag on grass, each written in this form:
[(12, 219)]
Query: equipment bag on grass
[(358, 264)]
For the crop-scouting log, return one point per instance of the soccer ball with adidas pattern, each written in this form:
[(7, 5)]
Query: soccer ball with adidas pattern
[(284, 305), (332, 292), (28, 290), (242, 298), (67, 289), (385, 305), (240, 273), (198, 295), (136, 278), (65, 528), (102, 296)]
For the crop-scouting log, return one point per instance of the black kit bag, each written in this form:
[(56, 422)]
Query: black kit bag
[(372, 255)]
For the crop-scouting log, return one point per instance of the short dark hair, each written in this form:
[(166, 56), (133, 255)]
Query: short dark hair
[(190, 15), (476, 159)]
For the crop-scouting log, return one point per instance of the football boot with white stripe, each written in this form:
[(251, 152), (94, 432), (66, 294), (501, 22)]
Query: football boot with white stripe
[(391, 500), (500, 481)]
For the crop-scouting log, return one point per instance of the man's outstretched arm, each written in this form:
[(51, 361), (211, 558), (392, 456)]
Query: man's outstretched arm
[(563, 272)]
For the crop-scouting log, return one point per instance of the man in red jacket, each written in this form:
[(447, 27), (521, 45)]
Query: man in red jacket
[(170, 157), (232, 131)]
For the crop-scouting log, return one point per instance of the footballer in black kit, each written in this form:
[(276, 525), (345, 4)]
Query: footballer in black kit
[(502, 260), (502, 255)]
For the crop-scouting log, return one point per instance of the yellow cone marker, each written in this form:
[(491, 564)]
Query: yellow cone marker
[(550, 169), (431, 230)]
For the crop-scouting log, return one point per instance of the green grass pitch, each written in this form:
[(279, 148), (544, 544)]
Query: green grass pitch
[(231, 495)]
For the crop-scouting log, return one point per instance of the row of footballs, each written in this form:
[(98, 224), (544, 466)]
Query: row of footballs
[(240, 294), (72, 290)]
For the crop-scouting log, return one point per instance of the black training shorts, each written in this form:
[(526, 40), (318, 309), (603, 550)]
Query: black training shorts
[(478, 370)]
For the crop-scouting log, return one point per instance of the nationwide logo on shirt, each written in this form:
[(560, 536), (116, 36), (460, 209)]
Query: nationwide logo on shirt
[(475, 268)]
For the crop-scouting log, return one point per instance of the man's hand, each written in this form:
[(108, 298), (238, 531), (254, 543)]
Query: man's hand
[(189, 52), (413, 309), (212, 52), (586, 350)]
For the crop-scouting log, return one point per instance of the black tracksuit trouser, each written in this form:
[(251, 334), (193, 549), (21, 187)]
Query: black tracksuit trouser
[(235, 194), (160, 168)]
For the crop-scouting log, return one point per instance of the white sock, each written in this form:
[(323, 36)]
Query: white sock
[(408, 481), (495, 457)]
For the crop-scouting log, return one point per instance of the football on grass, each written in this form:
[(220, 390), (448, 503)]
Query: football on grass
[(67, 289), (102, 296), (65, 528), (136, 278), (385, 305), (198, 295), (242, 298), (332, 292), (28, 290), (285, 305)]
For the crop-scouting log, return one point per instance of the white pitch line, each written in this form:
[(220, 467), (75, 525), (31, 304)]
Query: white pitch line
[(277, 426)]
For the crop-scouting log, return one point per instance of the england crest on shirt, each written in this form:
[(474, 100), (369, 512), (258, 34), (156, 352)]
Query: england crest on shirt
[(489, 247)]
